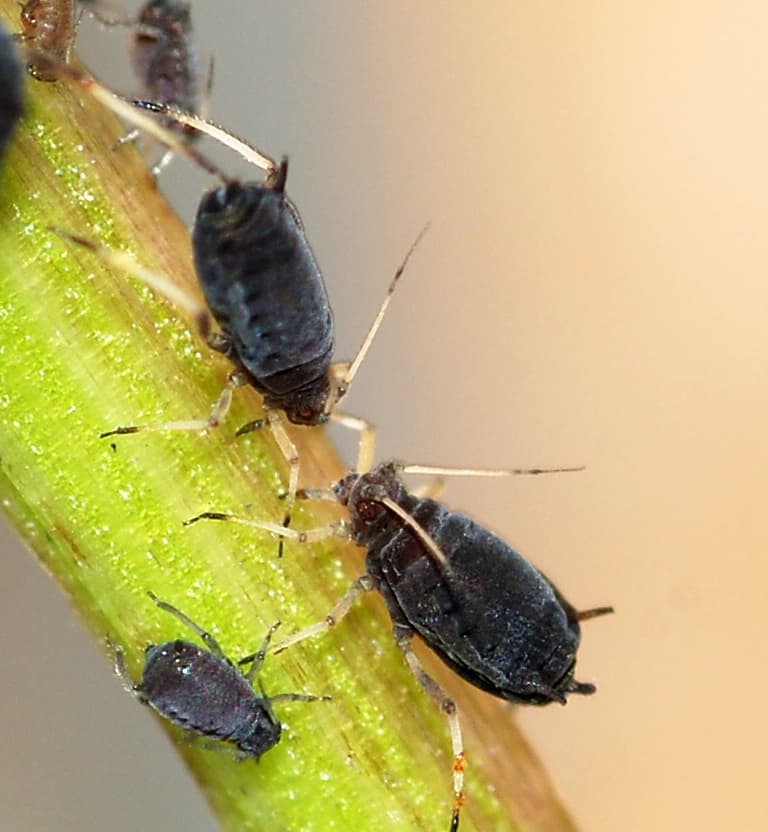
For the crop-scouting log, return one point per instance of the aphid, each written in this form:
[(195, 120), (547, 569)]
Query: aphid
[(165, 61), (265, 290), (203, 692), (49, 26), (11, 89), (485, 610)]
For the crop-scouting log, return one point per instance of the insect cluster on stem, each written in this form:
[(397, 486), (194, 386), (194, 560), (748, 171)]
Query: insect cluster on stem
[(477, 603)]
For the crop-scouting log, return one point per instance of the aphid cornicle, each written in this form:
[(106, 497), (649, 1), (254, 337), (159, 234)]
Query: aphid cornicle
[(49, 27), (11, 88), (484, 609), (202, 691)]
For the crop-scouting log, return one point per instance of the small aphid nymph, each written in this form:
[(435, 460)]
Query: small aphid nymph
[(201, 690)]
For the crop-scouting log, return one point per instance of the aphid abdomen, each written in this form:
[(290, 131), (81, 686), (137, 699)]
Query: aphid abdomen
[(491, 615), (194, 689), (264, 287)]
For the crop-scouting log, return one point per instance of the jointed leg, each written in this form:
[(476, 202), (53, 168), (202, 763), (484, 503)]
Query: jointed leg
[(214, 420), (309, 536), (256, 659), (366, 446), (362, 585), (403, 639), (209, 641)]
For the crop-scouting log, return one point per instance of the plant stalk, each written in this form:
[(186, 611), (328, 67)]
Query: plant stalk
[(82, 350)]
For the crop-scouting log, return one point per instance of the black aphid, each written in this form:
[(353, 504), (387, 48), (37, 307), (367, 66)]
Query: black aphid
[(486, 611), (203, 692), (11, 88), (263, 288)]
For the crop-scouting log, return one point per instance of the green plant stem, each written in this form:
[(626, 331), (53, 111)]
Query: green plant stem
[(83, 350)]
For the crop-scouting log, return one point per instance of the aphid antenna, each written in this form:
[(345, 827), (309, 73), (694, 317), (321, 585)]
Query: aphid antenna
[(134, 115), (450, 471), (350, 370), (420, 532), (251, 154)]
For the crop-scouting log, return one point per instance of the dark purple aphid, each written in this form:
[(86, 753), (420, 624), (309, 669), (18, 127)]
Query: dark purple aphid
[(266, 292), (202, 691), (48, 27), (11, 88), (479, 604)]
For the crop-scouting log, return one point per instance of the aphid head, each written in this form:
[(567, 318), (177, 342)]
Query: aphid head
[(234, 205), (364, 493), (308, 406), (264, 732)]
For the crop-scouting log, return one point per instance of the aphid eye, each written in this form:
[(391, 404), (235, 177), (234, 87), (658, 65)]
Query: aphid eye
[(305, 412), (367, 510)]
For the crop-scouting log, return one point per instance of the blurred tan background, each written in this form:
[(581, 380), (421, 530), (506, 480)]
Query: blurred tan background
[(593, 290)]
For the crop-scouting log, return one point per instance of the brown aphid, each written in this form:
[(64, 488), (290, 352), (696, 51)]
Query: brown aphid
[(49, 27)]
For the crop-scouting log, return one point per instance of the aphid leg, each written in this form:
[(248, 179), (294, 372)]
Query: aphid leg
[(362, 585), (273, 419), (317, 494), (366, 445), (209, 641), (256, 660), (291, 455), (120, 668), (403, 639), (298, 697), (191, 307), (214, 420), (128, 138), (338, 529), (125, 262)]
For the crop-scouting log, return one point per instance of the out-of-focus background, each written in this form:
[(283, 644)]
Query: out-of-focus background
[(593, 290)]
